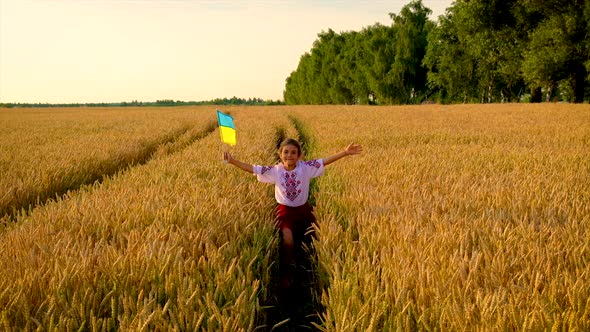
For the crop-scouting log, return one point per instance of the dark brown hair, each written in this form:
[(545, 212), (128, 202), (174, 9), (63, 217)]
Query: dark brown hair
[(290, 141)]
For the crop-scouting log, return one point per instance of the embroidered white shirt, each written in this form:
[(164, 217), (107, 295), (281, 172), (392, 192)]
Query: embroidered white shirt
[(291, 187)]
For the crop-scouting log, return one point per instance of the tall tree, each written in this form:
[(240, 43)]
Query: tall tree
[(546, 58), (352, 66), (451, 69), (479, 51), (411, 28), (558, 49), (378, 63)]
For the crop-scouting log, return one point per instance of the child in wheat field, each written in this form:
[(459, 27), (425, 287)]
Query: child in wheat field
[(291, 177)]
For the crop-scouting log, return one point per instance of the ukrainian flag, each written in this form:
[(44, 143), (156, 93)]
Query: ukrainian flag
[(226, 128)]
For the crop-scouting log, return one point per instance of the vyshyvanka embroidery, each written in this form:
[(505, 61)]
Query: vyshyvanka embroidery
[(265, 169), (290, 183), (313, 163)]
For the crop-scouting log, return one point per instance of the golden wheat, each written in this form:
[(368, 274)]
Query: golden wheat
[(463, 217), (456, 217), (49, 151), (181, 242)]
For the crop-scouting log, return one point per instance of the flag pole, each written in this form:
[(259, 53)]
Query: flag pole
[(225, 149)]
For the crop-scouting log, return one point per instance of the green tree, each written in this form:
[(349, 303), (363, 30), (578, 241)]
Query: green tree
[(352, 66), (380, 41), (547, 55), (451, 69), (411, 28), (558, 47)]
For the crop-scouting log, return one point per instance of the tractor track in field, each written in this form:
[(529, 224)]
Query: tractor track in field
[(166, 145), (299, 306)]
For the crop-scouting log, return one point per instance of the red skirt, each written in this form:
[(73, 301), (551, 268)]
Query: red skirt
[(298, 219)]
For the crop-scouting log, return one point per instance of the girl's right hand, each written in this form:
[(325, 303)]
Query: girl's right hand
[(227, 157)]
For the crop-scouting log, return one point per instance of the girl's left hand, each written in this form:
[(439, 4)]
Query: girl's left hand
[(353, 149)]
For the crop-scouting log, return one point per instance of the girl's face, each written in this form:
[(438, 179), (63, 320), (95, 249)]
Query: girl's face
[(289, 156)]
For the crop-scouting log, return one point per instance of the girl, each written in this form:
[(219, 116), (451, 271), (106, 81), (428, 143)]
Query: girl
[(291, 177)]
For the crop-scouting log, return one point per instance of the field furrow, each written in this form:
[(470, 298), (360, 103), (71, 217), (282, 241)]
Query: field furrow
[(181, 242), (46, 153), (453, 217)]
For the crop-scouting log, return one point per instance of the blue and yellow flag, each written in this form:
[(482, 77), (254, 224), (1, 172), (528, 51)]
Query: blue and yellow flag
[(226, 128)]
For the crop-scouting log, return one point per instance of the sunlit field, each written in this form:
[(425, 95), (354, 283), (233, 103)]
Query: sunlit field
[(44, 152), (460, 217)]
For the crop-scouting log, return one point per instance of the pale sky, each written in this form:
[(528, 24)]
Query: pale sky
[(66, 51)]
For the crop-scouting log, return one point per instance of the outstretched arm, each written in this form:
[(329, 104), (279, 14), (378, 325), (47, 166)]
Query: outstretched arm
[(349, 150), (241, 165)]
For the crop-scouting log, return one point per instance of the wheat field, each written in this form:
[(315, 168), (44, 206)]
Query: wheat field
[(48, 152), (458, 217)]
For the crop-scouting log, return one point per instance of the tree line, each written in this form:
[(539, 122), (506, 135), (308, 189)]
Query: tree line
[(479, 51), (158, 103)]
